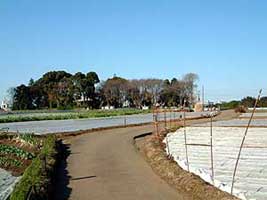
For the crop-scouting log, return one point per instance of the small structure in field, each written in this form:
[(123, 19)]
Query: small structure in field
[(199, 107), (145, 108), (107, 108)]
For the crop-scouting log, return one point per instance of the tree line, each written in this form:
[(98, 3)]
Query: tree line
[(247, 102), (62, 90)]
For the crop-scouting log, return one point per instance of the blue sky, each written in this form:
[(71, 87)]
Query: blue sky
[(225, 42)]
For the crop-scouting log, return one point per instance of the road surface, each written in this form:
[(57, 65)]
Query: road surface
[(105, 165)]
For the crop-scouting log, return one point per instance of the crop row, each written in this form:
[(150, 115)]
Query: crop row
[(6, 149), (27, 138), (6, 162)]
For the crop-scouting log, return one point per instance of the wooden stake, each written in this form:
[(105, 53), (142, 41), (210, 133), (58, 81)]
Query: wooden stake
[(157, 125), (155, 120), (185, 143), (125, 123), (170, 110), (211, 149), (243, 140), (167, 144), (165, 119)]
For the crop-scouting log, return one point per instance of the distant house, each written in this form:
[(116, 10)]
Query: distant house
[(107, 107), (126, 104), (145, 107), (5, 106), (82, 99)]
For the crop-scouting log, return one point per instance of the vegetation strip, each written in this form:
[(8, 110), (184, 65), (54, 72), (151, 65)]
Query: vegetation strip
[(69, 115), (35, 182)]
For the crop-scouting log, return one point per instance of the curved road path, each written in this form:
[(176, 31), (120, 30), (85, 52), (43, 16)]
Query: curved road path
[(105, 165)]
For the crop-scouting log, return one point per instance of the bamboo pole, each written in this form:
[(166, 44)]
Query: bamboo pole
[(211, 148), (185, 142), (155, 121), (174, 117), (168, 148), (198, 144), (157, 124), (125, 121), (153, 114), (170, 116), (243, 140), (165, 119)]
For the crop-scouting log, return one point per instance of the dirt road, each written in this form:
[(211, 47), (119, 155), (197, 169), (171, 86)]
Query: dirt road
[(105, 166)]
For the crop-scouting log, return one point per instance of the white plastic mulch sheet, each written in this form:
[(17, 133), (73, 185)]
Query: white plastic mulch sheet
[(247, 115), (7, 184), (237, 123), (251, 176)]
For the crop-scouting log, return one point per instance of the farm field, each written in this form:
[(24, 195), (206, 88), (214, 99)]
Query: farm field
[(251, 177), (40, 115), (16, 153), (57, 126)]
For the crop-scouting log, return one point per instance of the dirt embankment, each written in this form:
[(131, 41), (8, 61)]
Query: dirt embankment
[(153, 150)]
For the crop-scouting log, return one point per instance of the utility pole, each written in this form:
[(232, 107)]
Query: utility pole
[(203, 98)]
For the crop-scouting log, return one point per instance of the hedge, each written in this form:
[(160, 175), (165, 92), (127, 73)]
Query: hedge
[(36, 179)]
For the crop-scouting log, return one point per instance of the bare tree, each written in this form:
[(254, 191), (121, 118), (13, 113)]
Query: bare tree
[(115, 91), (149, 89), (10, 96), (190, 80)]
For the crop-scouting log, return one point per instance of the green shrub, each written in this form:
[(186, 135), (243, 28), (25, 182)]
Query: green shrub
[(241, 109)]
